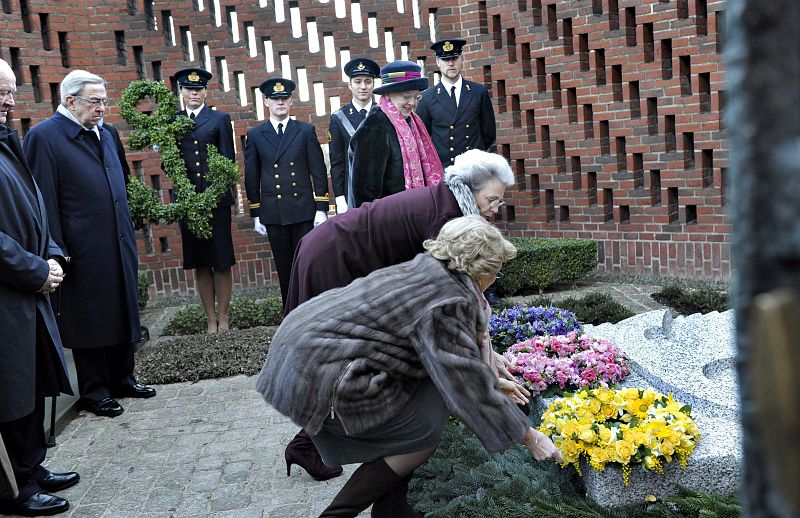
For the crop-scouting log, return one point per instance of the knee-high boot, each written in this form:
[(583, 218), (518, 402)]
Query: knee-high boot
[(394, 503), (367, 484)]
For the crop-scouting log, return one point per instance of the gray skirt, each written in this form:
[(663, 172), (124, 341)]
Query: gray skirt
[(416, 427)]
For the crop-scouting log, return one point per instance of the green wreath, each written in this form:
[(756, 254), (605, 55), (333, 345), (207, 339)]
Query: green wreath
[(162, 131)]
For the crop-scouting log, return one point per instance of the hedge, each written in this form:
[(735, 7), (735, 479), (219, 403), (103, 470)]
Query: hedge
[(244, 314), (541, 263)]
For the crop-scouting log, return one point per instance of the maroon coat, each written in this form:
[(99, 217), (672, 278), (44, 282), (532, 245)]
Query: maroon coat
[(377, 234)]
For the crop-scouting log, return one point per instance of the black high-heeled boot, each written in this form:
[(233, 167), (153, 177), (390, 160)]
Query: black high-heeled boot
[(394, 503), (301, 451), (367, 484)]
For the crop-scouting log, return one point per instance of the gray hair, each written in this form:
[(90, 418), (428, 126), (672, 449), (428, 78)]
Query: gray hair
[(472, 245), (75, 81), (476, 168), (470, 173)]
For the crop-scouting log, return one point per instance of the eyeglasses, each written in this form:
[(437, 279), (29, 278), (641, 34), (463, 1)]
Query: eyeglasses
[(94, 102), (407, 98), (494, 202), (7, 93)]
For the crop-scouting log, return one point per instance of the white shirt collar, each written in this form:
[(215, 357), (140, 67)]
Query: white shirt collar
[(447, 85), (275, 123), (196, 112), (367, 106), (68, 114)]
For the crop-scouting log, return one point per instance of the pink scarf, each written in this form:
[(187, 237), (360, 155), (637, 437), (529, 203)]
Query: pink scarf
[(421, 164)]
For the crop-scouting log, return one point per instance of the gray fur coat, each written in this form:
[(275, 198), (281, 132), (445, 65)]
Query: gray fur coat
[(360, 351)]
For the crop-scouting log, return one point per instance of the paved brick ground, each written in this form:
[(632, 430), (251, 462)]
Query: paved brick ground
[(211, 448)]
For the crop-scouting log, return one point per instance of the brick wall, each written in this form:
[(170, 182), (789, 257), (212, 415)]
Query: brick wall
[(608, 111)]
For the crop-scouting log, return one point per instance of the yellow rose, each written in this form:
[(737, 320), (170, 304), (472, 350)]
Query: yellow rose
[(667, 448), (625, 450), (587, 435), (605, 435), (594, 405), (605, 395), (599, 455)]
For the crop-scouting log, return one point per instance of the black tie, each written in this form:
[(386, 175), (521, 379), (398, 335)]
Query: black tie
[(453, 96), (191, 115), (280, 130), (363, 112)]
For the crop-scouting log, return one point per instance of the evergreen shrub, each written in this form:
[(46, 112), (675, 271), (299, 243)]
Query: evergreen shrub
[(544, 262), (244, 314)]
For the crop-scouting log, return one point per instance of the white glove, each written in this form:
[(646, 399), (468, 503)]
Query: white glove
[(341, 205), (320, 217), (258, 227)]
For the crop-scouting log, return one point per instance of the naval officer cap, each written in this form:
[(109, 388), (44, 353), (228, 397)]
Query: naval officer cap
[(446, 49), (277, 88), (362, 67), (192, 78)]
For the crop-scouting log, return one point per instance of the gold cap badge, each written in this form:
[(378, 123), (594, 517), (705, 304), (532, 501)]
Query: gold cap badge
[(447, 47), (193, 77), (278, 87), (360, 66)]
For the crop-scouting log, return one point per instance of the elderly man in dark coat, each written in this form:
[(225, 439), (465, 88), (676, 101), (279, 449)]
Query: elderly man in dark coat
[(31, 357), (77, 167)]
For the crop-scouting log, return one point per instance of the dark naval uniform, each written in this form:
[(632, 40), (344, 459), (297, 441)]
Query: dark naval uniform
[(286, 182), (339, 137), (210, 127), (455, 130), (344, 123)]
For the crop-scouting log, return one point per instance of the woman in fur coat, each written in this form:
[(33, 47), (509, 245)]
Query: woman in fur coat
[(374, 377)]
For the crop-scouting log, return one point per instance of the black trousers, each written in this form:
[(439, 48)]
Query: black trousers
[(103, 369), (26, 447), (283, 239)]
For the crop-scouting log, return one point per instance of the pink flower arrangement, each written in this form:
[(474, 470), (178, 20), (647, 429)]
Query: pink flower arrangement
[(553, 364)]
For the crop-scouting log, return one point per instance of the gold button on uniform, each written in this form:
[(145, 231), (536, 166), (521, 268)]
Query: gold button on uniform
[(453, 127), (195, 142), (278, 186), (452, 159), (291, 164), (452, 138), (466, 136), (294, 184), (467, 125), (277, 176), (197, 164), (451, 149), (198, 175), (278, 196), (275, 166), (295, 194), (292, 173)]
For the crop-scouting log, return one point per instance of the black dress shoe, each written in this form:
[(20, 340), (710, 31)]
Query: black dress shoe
[(105, 407), (57, 481), (136, 390), (39, 504)]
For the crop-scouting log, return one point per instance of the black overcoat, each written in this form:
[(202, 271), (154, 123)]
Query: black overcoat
[(453, 131), (338, 143), (286, 176), (377, 234), (377, 162), (25, 247), (89, 219)]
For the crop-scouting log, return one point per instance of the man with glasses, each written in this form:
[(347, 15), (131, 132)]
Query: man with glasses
[(32, 363), (457, 113), (75, 163)]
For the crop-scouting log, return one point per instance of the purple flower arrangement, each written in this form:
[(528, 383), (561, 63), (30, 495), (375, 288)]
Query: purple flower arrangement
[(517, 324), (551, 364)]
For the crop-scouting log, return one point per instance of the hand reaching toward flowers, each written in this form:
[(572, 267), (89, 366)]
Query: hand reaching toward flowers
[(503, 364), (514, 390), (541, 447)]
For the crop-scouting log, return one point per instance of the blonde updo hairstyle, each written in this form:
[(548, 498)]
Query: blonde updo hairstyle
[(471, 245)]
